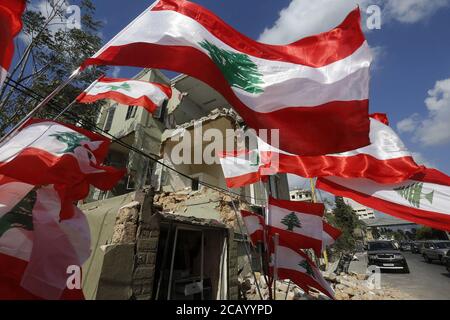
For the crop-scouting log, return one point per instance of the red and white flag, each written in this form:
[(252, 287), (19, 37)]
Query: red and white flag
[(330, 235), (328, 114), (422, 199), (385, 160), (300, 269), (254, 224), (240, 168), (41, 236), (299, 224), (129, 92), (10, 25), (47, 152)]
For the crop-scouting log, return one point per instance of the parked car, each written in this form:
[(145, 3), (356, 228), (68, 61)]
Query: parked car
[(422, 246), (415, 246), (405, 246), (385, 255), (435, 250), (447, 261)]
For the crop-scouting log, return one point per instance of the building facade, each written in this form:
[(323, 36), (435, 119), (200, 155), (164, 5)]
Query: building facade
[(300, 195), (362, 212), (183, 239)]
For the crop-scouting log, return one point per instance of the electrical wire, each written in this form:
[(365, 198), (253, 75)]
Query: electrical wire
[(74, 117)]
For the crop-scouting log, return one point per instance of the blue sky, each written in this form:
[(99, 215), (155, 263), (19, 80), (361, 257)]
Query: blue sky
[(411, 48)]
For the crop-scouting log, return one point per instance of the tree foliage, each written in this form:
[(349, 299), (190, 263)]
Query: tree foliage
[(47, 52), (427, 233), (346, 220)]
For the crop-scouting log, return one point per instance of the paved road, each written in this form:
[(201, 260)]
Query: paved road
[(424, 282)]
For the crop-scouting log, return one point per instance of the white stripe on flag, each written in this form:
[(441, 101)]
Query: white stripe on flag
[(439, 203), (311, 225)]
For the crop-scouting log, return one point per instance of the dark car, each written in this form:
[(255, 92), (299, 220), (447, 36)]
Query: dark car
[(447, 261), (385, 255), (405, 246), (435, 250), (415, 246)]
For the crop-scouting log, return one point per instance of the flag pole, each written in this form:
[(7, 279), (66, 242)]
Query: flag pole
[(265, 233), (314, 198), (40, 106), (245, 244), (276, 240)]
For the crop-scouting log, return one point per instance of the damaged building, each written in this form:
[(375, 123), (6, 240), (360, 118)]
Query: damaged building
[(169, 230)]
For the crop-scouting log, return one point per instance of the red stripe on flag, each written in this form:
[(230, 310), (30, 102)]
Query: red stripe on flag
[(240, 181), (355, 166), (296, 241), (316, 209), (10, 25), (315, 51), (302, 280)]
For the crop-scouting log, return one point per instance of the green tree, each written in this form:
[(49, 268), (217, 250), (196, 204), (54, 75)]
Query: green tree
[(346, 220), (47, 52), (291, 221), (427, 233), (239, 70)]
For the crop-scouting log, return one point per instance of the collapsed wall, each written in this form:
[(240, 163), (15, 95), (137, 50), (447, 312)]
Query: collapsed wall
[(127, 250)]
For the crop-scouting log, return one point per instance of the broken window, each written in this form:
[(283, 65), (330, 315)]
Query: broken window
[(191, 263), (131, 112), (109, 118)]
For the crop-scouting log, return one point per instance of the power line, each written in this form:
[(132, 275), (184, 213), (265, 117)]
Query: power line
[(72, 116)]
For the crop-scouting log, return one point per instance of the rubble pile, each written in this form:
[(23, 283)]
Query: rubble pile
[(357, 287), (285, 290), (346, 286)]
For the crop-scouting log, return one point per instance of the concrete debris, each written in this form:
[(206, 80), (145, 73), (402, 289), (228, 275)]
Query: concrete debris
[(285, 290), (178, 203), (347, 287), (356, 287)]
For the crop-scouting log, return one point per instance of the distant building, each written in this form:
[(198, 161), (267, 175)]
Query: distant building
[(362, 212), (300, 195)]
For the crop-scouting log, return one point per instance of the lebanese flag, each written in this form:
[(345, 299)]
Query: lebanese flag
[(254, 224), (10, 25), (38, 243), (48, 152), (298, 223), (300, 269), (240, 168), (423, 199), (128, 92), (330, 235), (385, 160), (328, 114)]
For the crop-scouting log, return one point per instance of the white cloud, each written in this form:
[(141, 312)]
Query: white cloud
[(411, 11), (305, 17), (409, 124), (434, 129), (420, 159), (116, 72)]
